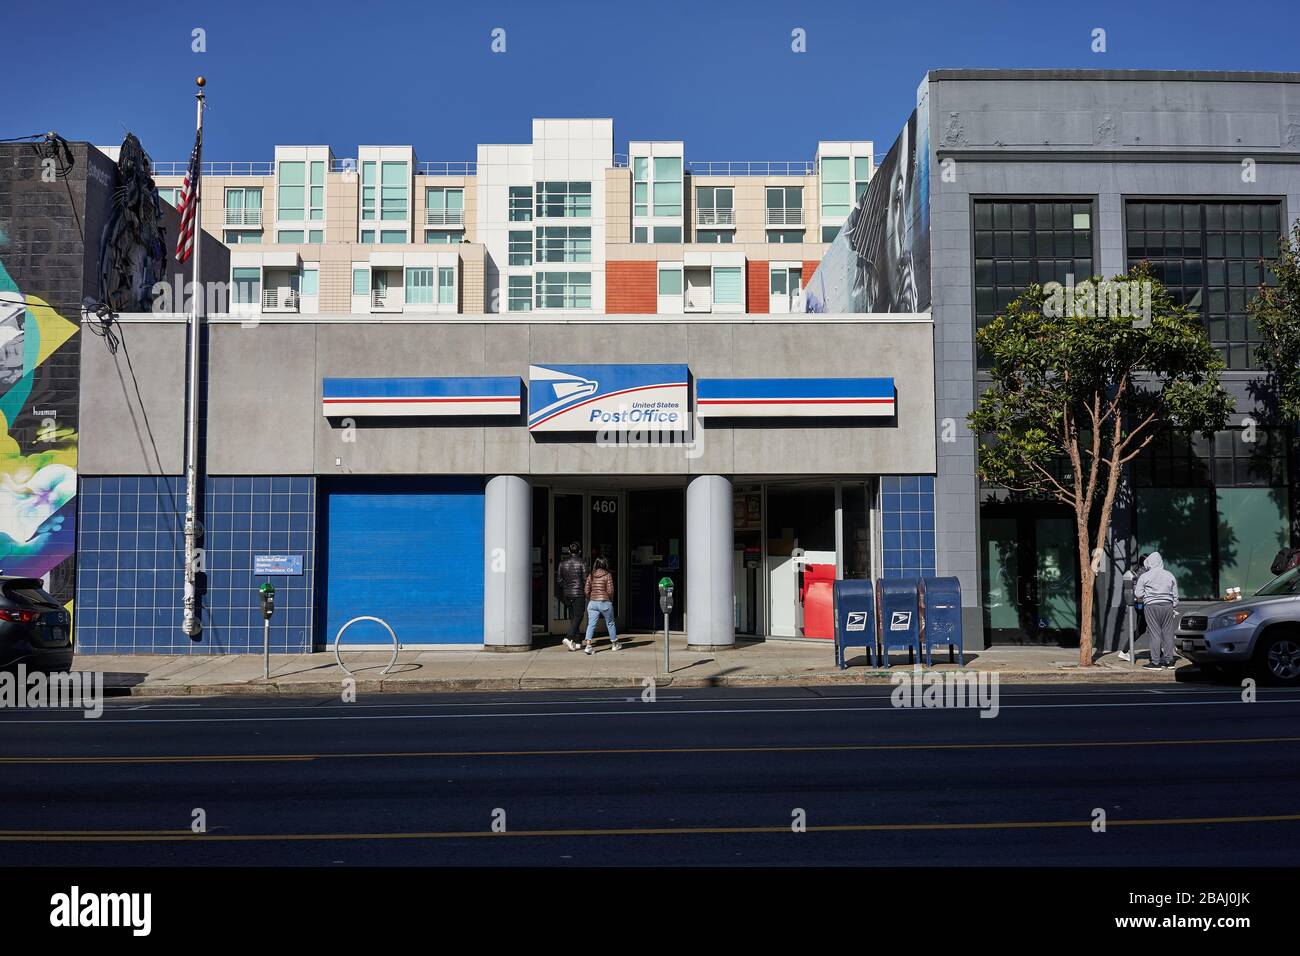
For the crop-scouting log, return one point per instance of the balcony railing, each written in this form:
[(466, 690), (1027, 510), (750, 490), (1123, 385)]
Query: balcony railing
[(280, 300), (243, 217), (257, 168), (784, 217), (386, 300), (444, 217), (715, 217), (753, 168)]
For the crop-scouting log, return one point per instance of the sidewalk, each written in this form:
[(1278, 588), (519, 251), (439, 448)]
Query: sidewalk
[(771, 663)]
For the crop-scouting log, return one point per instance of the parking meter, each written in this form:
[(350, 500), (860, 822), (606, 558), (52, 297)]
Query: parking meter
[(1130, 611), (666, 606), (266, 593)]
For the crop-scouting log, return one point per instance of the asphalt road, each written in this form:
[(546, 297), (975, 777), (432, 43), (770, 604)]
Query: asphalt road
[(1184, 775)]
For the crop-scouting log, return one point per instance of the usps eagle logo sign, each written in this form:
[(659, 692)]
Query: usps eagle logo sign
[(593, 398)]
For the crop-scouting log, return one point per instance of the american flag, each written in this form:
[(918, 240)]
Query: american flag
[(188, 202)]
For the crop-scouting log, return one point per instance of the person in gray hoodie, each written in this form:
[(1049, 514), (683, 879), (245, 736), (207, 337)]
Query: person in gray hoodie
[(1157, 590)]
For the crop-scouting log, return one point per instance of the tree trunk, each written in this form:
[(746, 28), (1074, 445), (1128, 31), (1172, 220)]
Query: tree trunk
[(1087, 585)]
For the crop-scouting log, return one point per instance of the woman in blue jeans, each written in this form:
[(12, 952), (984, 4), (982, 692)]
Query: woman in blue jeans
[(600, 603)]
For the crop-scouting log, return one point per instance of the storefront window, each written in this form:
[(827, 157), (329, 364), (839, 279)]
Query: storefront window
[(1217, 511), (747, 522)]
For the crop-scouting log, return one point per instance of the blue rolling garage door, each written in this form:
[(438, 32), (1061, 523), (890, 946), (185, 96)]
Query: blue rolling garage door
[(408, 550)]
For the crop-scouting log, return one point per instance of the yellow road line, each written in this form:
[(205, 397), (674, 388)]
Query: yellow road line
[(613, 751), (173, 836)]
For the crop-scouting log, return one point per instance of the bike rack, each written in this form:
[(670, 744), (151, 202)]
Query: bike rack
[(378, 620)]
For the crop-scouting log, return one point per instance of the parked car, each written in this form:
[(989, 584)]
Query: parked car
[(33, 626), (1261, 632)]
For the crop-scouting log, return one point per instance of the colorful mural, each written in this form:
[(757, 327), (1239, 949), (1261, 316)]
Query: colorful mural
[(880, 260), (38, 462)]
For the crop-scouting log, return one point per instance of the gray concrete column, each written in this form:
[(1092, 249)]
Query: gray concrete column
[(710, 590), (507, 567)]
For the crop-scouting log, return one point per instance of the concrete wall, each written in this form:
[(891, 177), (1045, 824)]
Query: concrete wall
[(264, 413)]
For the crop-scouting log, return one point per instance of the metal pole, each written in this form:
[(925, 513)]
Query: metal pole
[(266, 647), (1132, 652), (190, 621), (667, 666)]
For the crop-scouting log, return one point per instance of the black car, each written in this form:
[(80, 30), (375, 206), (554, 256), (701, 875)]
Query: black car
[(33, 625)]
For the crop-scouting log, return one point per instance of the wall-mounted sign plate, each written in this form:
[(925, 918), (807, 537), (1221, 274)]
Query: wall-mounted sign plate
[(593, 398)]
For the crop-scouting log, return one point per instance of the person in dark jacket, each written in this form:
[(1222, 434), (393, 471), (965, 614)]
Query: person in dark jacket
[(571, 581)]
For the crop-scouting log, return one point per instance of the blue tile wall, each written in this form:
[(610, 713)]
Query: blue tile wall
[(131, 552), (907, 516)]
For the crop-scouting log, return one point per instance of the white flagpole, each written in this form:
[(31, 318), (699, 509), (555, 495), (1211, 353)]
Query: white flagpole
[(191, 623)]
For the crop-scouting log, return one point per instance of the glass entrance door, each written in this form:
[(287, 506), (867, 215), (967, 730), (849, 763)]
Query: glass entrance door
[(594, 520), (1030, 576)]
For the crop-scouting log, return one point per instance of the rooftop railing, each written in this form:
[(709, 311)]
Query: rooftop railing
[(797, 167)]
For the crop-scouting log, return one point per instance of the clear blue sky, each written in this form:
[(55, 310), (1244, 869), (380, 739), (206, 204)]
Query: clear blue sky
[(719, 75)]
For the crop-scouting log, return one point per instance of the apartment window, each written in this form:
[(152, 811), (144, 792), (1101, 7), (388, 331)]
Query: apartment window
[(563, 290), (640, 187), (244, 206), (861, 176), (785, 205), (563, 200), (316, 236), (521, 203), (668, 186), (446, 285), (713, 206), (441, 237), (393, 183), (727, 287), (309, 280), (667, 234), (392, 236), (670, 281), (445, 206), (367, 236), (291, 197), (361, 280), (714, 235), (519, 296), (837, 189), (521, 248), (234, 237), (563, 244), (1217, 510), (247, 284), (785, 235), (419, 286), (316, 192), (368, 191), (289, 236), (640, 234), (169, 194), (1208, 255), (1021, 243)]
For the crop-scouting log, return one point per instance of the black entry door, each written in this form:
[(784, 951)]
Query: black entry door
[(1030, 575)]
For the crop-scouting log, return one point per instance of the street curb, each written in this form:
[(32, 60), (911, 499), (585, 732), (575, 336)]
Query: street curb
[(855, 676)]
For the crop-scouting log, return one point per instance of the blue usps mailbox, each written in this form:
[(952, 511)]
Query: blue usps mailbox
[(900, 624), (855, 619), (941, 616)]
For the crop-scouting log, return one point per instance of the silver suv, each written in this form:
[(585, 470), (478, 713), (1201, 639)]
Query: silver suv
[(1261, 631)]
